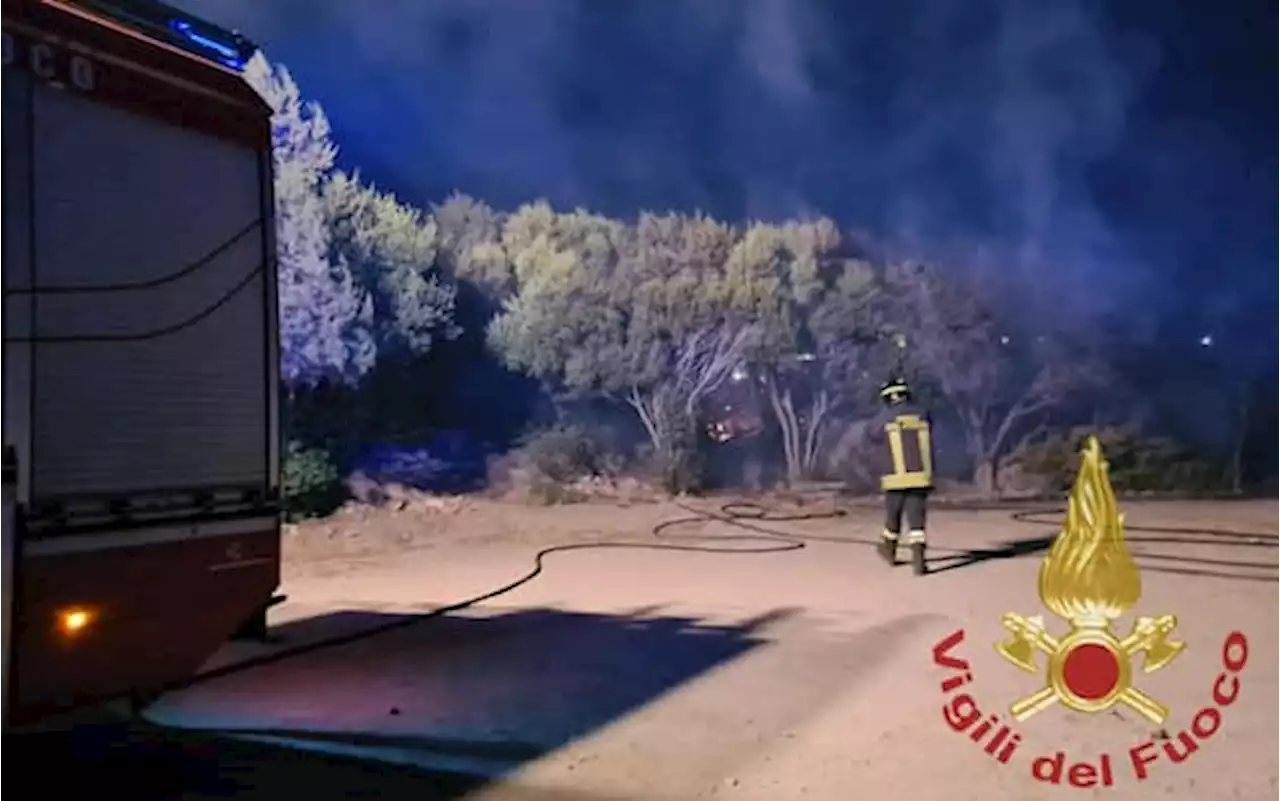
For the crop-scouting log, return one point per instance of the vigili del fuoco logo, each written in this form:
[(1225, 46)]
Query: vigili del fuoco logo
[(1088, 580)]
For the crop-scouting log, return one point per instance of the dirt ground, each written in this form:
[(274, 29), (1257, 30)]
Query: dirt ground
[(637, 673), (358, 534)]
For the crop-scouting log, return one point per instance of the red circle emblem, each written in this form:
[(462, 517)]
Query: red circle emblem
[(1090, 671)]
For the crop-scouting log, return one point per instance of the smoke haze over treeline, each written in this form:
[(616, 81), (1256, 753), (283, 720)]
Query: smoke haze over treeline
[(1123, 152)]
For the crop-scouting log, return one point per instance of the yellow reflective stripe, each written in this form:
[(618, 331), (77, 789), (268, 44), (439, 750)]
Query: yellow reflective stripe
[(895, 448), (926, 454), (906, 481)]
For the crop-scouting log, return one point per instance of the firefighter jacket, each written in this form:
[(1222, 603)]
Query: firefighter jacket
[(907, 448)]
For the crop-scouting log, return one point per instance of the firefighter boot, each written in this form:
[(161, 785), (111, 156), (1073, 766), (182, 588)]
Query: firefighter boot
[(888, 547), (915, 541)]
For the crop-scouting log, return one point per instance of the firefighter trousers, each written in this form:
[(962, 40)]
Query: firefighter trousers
[(910, 504)]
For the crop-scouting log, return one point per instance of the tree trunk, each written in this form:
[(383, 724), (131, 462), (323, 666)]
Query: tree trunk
[(779, 401), (650, 417), (801, 435), (975, 446), (674, 438), (986, 474), (818, 411)]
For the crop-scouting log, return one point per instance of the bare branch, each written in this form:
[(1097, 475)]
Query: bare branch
[(818, 411), (706, 358), (636, 401)]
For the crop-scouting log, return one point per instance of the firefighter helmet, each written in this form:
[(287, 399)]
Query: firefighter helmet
[(895, 390)]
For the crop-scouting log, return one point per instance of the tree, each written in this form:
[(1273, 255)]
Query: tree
[(559, 324), (324, 321), (471, 245), (995, 379), (634, 315), (391, 250), (817, 315)]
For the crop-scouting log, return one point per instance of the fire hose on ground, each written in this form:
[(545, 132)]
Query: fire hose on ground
[(753, 534)]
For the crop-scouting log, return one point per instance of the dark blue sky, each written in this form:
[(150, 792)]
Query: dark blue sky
[(1126, 151)]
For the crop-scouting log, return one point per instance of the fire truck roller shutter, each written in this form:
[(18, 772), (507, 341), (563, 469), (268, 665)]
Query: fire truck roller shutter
[(124, 198)]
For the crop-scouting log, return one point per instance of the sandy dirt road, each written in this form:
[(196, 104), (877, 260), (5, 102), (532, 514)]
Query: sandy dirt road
[(644, 674)]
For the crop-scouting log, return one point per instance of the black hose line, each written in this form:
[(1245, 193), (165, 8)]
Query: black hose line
[(756, 537)]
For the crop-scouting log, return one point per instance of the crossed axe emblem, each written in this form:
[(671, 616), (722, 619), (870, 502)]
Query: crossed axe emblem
[(1149, 637)]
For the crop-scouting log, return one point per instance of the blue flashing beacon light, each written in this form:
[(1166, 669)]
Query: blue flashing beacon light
[(173, 25), (230, 55)]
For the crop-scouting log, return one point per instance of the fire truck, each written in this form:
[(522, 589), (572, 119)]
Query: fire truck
[(140, 393)]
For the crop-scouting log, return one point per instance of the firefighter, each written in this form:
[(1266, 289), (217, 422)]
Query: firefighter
[(905, 433)]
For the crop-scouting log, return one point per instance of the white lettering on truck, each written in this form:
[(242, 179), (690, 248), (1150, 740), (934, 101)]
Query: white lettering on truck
[(58, 66)]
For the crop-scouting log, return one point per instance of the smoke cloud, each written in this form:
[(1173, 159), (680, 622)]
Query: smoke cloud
[(1100, 153)]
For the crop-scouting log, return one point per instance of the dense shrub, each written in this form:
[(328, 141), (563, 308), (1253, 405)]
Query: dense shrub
[(563, 453), (679, 469), (1137, 463), (546, 463), (312, 483)]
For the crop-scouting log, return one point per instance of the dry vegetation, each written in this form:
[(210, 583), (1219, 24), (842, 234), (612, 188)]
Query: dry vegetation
[(407, 519)]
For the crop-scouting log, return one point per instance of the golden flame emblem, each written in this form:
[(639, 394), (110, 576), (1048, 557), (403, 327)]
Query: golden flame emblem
[(1089, 579)]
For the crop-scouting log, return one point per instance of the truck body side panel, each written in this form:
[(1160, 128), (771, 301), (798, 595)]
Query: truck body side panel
[(163, 600)]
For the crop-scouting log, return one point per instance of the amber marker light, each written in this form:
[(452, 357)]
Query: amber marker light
[(74, 620)]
